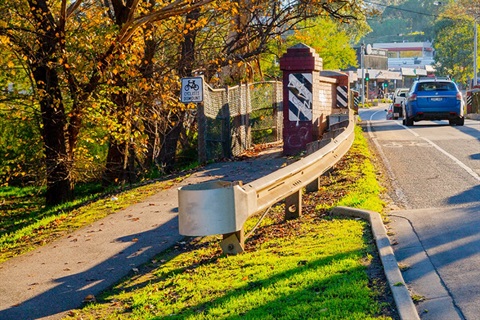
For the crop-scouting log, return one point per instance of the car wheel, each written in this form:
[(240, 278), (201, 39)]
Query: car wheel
[(460, 121), (452, 122), (408, 122)]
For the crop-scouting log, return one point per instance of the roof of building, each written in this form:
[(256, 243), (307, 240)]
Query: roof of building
[(405, 46)]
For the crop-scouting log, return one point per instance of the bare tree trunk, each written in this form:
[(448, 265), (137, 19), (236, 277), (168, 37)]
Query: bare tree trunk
[(116, 168), (59, 184), (151, 122), (58, 164)]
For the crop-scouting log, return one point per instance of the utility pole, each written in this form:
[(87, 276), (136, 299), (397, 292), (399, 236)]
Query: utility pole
[(475, 36), (362, 53)]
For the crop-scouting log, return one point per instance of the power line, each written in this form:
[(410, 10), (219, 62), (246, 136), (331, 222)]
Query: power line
[(402, 9)]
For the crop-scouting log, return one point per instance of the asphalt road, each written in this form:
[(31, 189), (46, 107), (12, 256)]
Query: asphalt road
[(434, 170)]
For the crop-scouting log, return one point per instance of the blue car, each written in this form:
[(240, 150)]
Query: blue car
[(434, 99)]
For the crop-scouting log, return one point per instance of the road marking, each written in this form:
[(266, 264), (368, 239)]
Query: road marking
[(396, 144), (458, 162), (402, 198)]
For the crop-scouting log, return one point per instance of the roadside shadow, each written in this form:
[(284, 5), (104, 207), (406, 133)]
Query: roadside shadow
[(470, 131), (471, 195), (246, 170), (69, 292), (475, 156), (448, 243)]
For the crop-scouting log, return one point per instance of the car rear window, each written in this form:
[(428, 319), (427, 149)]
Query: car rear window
[(436, 86)]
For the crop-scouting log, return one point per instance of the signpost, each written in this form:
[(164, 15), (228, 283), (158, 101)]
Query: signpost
[(192, 90)]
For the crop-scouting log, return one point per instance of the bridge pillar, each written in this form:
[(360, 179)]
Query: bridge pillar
[(301, 68)]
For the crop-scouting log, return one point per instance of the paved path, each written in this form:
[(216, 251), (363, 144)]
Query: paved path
[(46, 283)]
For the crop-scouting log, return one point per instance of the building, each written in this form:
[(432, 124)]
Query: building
[(413, 55)]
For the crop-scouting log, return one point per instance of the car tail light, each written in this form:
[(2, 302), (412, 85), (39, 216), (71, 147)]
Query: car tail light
[(412, 97), (459, 96)]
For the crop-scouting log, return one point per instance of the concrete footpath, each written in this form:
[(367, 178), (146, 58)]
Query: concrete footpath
[(50, 281), (47, 282)]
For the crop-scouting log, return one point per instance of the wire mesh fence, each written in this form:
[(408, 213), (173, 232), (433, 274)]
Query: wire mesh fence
[(235, 118)]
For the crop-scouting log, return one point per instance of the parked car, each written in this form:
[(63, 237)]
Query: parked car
[(434, 99), (398, 99), (390, 114)]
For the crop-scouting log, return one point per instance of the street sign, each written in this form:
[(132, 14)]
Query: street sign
[(192, 90)]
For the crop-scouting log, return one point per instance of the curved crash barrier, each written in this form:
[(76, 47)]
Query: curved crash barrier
[(223, 207)]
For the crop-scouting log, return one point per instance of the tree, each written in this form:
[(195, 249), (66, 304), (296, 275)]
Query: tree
[(329, 40), (36, 30), (454, 40), (100, 69), (411, 20)]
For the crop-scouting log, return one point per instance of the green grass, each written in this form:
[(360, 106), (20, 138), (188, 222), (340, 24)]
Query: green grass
[(315, 267), (26, 223), (365, 190), (354, 181), (316, 271)]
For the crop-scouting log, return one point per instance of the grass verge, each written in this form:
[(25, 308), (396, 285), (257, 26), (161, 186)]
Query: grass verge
[(315, 267), (26, 223)]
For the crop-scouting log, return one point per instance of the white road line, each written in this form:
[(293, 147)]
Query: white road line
[(458, 162)]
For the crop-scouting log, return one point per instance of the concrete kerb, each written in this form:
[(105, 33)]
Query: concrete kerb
[(401, 295)]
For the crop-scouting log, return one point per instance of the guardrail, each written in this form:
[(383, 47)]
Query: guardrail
[(221, 207)]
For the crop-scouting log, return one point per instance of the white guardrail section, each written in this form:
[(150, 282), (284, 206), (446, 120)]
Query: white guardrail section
[(221, 207)]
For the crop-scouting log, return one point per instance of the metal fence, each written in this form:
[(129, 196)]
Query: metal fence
[(232, 119)]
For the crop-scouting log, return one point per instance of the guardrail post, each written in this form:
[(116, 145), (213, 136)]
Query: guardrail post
[(293, 205), (313, 186), (233, 243)]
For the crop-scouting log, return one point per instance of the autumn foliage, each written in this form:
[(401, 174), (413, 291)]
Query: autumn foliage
[(89, 89)]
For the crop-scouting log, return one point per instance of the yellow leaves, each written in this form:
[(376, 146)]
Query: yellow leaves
[(4, 40), (10, 64)]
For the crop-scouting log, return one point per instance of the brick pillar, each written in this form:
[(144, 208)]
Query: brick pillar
[(301, 68)]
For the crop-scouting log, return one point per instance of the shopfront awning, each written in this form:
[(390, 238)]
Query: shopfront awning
[(410, 72), (377, 74)]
